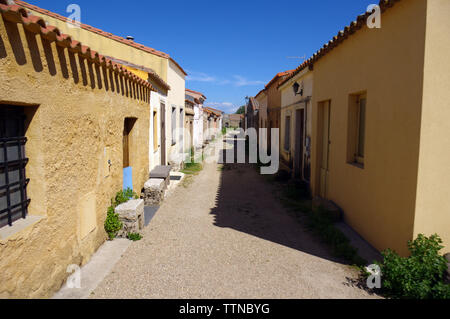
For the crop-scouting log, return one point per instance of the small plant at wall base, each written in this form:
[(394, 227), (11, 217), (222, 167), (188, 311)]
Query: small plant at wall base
[(419, 276), (112, 222), (134, 236)]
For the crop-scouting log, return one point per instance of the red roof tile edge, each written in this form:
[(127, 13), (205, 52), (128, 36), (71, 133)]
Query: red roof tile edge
[(151, 73), (195, 92), (338, 39), (214, 111), (17, 14), (100, 32)]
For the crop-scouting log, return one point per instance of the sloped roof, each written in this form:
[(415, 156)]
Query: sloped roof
[(278, 76), (339, 38), (235, 117), (213, 111), (37, 25), (151, 73), (195, 94), (100, 32)]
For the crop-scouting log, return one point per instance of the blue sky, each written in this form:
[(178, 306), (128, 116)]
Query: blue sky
[(229, 48)]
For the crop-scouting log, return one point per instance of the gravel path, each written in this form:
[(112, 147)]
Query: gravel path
[(226, 236)]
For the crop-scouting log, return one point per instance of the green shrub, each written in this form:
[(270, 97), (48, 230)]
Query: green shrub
[(112, 222), (124, 196), (134, 236), (419, 276)]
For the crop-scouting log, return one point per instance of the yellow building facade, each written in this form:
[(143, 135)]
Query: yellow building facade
[(161, 63), (380, 125), (75, 109)]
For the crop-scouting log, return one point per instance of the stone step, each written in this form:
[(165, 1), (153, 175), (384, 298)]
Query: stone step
[(154, 191), (131, 214), (161, 172)]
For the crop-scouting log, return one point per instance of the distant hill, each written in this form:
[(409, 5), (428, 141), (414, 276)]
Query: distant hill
[(241, 110)]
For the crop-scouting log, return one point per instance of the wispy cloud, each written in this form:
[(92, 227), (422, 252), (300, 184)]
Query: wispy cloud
[(227, 107), (237, 80), (200, 77), (241, 81)]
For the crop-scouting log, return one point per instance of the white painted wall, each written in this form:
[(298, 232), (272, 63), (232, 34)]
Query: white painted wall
[(176, 98), (198, 126), (155, 105)]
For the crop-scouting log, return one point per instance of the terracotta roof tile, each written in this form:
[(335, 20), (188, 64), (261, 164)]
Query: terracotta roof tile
[(213, 111), (195, 94), (278, 76), (339, 38), (18, 14), (151, 73), (100, 32)]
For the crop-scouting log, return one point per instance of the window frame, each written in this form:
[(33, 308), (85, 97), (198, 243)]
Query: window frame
[(17, 210), (359, 158), (287, 133)]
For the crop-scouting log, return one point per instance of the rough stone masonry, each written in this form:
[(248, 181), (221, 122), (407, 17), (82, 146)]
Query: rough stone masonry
[(131, 214)]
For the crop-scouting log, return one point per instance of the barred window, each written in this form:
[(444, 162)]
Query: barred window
[(13, 183)]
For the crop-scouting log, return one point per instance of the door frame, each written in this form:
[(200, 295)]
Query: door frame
[(163, 133), (325, 146), (299, 142)]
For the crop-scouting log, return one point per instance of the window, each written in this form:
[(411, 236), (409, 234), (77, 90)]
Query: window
[(155, 131), (357, 128), (174, 125), (287, 134), (13, 183)]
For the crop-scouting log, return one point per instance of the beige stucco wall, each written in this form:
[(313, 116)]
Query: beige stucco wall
[(274, 104), (110, 47), (262, 101), (289, 104), (76, 121), (387, 63), (433, 189)]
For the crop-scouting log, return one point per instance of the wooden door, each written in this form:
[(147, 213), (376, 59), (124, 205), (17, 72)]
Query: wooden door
[(163, 134), (126, 145)]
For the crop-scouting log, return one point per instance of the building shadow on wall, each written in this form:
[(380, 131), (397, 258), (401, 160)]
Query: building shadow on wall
[(246, 203)]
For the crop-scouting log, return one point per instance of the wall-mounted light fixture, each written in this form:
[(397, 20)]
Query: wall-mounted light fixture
[(298, 90)]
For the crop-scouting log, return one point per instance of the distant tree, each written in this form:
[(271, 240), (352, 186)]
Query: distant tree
[(241, 110)]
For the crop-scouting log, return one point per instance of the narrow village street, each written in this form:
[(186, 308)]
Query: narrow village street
[(213, 239)]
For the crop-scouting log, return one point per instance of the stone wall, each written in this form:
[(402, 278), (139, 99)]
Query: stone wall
[(75, 120)]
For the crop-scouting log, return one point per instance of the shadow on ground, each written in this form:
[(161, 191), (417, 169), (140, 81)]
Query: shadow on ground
[(246, 203)]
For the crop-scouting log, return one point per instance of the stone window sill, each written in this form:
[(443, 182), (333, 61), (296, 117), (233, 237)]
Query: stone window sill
[(18, 226), (355, 164)]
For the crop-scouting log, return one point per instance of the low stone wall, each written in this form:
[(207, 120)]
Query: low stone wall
[(154, 192), (131, 214)]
